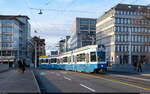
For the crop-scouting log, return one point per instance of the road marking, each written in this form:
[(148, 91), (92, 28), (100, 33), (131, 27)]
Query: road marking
[(42, 73), (52, 72), (119, 82), (57, 74), (87, 87), (148, 89), (137, 78), (64, 72), (67, 78)]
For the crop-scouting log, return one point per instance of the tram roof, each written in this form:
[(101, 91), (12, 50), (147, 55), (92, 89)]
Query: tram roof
[(81, 49)]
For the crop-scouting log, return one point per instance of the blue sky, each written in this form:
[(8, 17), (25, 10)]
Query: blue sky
[(54, 25)]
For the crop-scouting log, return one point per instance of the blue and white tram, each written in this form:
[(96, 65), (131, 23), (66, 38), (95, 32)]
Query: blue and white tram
[(86, 59), (44, 62), (48, 62)]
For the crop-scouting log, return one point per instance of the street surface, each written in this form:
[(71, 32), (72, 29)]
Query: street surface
[(12, 81), (67, 81)]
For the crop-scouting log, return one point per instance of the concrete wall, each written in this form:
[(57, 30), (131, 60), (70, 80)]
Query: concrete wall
[(3, 67)]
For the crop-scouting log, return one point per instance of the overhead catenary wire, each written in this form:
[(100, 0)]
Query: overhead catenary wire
[(27, 4)]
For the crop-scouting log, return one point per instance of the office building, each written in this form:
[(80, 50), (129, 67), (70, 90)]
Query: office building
[(14, 36), (83, 33), (125, 32)]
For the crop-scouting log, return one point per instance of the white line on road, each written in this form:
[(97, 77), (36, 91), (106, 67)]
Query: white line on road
[(137, 78), (87, 88), (42, 73), (67, 78), (52, 72), (57, 74)]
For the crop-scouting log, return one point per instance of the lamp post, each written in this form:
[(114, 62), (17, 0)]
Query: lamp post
[(130, 46), (35, 48), (130, 43)]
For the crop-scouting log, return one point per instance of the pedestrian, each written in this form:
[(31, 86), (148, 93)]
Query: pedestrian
[(19, 66), (139, 65), (23, 66), (135, 65)]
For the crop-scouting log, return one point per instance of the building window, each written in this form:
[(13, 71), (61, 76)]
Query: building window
[(84, 27), (92, 27), (84, 32), (6, 37), (84, 21), (92, 21)]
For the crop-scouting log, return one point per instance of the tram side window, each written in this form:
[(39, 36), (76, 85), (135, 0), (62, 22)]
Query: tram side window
[(41, 61), (93, 56), (69, 59), (46, 61), (81, 57), (58, 61), (53, 60), (64, 59), (78, 58), (61, 60), (49, 61)]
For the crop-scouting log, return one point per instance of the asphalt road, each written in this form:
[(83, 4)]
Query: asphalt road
[(59, 81)]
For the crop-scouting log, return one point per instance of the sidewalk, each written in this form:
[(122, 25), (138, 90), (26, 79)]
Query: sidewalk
[(129, 72), (12, 81), (4, 67)]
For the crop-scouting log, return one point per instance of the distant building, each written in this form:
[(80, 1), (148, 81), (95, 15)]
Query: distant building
[(113, 30), (54, 53), (66, 44), (61, 46), (40, 48), (14, 36), (83, 33)]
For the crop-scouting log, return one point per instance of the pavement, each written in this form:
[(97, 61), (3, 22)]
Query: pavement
[(128, 72), (11, 81), (3, 67)]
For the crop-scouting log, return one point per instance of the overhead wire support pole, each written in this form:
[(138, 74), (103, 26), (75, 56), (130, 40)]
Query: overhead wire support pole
[(130, 46), (35, 54)]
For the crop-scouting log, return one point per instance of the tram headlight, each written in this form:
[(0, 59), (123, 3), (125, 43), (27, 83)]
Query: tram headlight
[(101, 65)]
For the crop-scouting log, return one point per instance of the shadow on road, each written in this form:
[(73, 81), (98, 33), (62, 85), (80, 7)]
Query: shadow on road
[(45, 85)]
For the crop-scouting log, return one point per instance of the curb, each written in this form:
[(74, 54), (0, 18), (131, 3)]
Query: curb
[(4, 70), (36, 82)]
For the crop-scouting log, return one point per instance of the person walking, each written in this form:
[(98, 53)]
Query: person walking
[(139, 65), (135, 65), (23, 66), (19, 65)]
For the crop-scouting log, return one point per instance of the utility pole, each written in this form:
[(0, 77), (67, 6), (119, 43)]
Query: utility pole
[(35, 54), (130, 46)]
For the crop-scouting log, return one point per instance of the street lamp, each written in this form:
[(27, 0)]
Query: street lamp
[(130, 43), (35, 52)]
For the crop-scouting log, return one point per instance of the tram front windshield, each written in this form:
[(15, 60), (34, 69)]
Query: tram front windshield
[(101, 56)]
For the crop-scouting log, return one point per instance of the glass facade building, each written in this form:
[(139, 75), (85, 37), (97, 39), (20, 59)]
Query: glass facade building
[(14, 36)]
